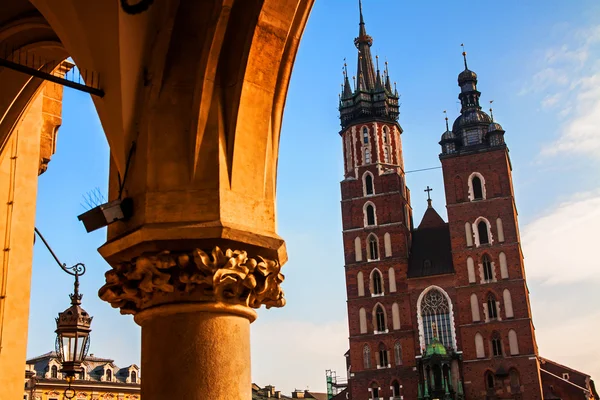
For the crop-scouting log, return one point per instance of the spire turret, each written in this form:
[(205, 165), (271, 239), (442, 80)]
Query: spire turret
[(373, 96)]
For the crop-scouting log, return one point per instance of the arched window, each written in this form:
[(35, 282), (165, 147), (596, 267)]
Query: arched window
[(475, 308), (386, 155), (496, 345), (360, 283), (492, 307), (500, 229), (368, 180), (469, 234), (383, 356), (373, 248), (435, 309), (392, 279), (489, 380), (503, 265), (380, 318), (488, 271), (482, 230), (367, 356), (374, 391), (479, 348), (477, 188), (357, 249), (376, 282), (508, 307), (471, 270), (385, 135), (365, 135), (396, 389), (348, 154), (395, 316), (109, 375), (515, 381), (362, 319), (367, 156), (54, 372), (398, 353), (513, 343), (133, 377), (370, 214), (387, 241)]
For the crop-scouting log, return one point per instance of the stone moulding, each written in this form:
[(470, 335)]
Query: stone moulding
[(229, 277)]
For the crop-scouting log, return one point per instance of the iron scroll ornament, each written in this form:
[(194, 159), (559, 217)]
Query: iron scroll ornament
[(137, 8)]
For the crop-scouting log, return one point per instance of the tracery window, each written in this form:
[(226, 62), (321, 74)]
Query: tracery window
[(496, 345), (398, 353), (385, 134), (488, 273), (383, 356), (367, 156), (435, 309), (370, 215), (367, 356), (368, 184), (365, 136), (386, 155), (377, 284), (492, 307), (477, 188), (373, 248), (380, 319)]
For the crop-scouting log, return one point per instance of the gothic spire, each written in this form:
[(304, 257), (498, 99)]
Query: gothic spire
[(365, 61)]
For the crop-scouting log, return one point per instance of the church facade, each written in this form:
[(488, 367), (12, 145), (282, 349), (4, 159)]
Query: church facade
[(439, 310)]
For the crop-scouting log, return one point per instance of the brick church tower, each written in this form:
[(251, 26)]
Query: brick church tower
[(440, 310)]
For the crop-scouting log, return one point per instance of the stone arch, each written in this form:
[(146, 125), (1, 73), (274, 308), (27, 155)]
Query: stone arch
[(372, 247), (380, 318), (478, 230), (368, 184), (473, 190), (376, 282), (370, 214)]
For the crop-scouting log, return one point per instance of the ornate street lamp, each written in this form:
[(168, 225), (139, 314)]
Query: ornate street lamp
[(72, 327)]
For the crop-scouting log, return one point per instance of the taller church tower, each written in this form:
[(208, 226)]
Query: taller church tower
[(439, 310)]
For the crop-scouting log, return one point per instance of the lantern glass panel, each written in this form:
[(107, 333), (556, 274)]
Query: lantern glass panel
[(82, 347), (69, 346)]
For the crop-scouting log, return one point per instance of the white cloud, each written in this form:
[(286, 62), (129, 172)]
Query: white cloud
[(558, 245), (295, 354), (551, 100)]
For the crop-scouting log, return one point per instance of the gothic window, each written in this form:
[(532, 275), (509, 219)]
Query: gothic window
[(380, 318), (370, 211), (515, 381), (376, 282), (133, 377), (396, 389), (375, 391), (357, 249), (496, 345), (477, 188), (513, 343), (479, 348), (469, 234), (368, 184), (475, 308), (365, 135), (489, 380), (383, 356), (360, 283), (398, 353), (488, 273), (348, 154), (109, 375), (492, 307), (367, 156), (385, 135), (435, 311), (471, 270), (482, 230), (503, 265), (392, 279), (500, 229), (508, 307), (395, 316), (386, 155), (367, 356), (362, 319), (373, 248), (54, 372), (387, 241)]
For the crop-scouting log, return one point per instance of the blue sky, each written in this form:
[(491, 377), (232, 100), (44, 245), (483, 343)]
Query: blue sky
[(538, 60)]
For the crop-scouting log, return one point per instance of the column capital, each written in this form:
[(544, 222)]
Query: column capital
[(229, 278)]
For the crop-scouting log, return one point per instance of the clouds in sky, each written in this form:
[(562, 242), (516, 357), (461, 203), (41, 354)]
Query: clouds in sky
[(569, 78)]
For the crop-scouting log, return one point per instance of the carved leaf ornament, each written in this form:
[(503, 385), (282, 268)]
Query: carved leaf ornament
[(230, 277)]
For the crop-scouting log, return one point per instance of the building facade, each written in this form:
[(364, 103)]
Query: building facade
[(100, 379), (439, 310)]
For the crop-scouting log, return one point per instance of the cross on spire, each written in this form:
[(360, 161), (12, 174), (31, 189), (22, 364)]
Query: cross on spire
[(428, 190), (464, 55)]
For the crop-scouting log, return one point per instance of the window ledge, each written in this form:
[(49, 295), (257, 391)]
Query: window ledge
[(378, 295), (381, 332), (384, 367)]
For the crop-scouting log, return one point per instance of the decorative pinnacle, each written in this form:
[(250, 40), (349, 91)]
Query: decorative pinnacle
[(464, 55), (377, 59), (491, 110), (446, 118), (362, 20)]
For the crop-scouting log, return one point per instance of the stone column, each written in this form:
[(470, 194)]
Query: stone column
[(195, 310)]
